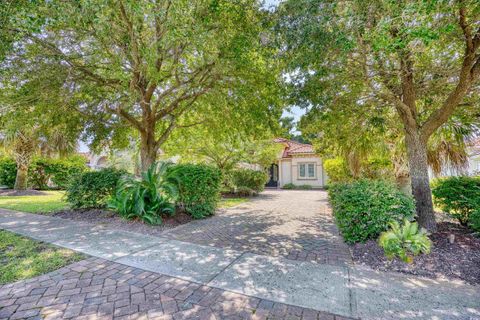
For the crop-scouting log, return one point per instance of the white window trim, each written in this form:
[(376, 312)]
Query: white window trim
[(306, 171)]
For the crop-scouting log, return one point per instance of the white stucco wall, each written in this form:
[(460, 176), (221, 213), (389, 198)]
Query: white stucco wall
[(289, 171)]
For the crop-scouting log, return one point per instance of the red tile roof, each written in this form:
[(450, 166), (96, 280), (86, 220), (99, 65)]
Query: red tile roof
[(293, 147)]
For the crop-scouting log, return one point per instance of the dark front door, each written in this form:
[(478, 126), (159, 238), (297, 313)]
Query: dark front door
[(273, 173)]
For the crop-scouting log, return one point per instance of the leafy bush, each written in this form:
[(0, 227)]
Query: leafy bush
[(43, 170), (146, 198), (457, 196), (199, 188), (305, 187), (474, 220), (92, 189), (337, 170), (8, 172), (363, 209), (291, 186), (404, 241), (59, 171), (252, 179), (244, 192)]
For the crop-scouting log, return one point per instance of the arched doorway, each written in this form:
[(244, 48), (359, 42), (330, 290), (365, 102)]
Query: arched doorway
[(273, 176)]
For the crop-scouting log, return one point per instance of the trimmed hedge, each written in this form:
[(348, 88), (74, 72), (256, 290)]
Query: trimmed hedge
[(199, 188), (42, 171), (457, 196), (93, 189), (251, 179), (364, 208)]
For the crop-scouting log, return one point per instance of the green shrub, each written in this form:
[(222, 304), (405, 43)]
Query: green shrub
[(305, 187), (364, 208), (8, 172), (42, 170), (337, 170), (59, 171), (289, 186), (92, 189), (199, 188), (404, 241), (474, 220), (252, 179), (148, 197), (245, 192), (457, 196)]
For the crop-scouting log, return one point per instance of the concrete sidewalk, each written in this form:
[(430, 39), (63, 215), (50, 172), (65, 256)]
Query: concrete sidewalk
[(343, 290)]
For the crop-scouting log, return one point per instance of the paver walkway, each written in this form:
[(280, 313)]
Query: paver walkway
[(146, 268), (294, 224)]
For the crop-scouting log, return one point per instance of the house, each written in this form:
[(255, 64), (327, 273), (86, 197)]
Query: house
[(297, 163)]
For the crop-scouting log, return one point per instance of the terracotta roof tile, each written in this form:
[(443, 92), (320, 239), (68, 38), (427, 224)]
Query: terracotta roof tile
[(293, 147)]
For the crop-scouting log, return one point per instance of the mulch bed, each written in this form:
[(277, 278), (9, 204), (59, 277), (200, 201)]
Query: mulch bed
[(15, 193), (457, 260), (114, 221)]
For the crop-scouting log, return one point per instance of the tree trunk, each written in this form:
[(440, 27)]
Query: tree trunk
[(148, 151), (417, 159), (22, 178)]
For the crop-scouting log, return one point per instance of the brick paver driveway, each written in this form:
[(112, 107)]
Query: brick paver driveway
[(99, 289), (291, 223)]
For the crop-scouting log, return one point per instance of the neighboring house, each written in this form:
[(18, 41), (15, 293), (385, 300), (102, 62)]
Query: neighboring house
[(298, 164)]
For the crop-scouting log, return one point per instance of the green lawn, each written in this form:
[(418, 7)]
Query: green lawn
[(231, 202), (23, 258), (53, 201)]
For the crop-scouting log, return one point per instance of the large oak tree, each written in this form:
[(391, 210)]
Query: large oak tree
[(420, 58), (152, 66)]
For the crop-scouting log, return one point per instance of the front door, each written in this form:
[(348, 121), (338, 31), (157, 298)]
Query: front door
[(273, 176)]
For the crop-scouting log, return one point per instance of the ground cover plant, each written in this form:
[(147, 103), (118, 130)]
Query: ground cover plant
[(404, 241), (148, 197), (22, 258)]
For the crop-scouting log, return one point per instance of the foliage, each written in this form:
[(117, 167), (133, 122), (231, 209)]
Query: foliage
[(337, 170), (49, 201), (376, 78), (244, 192), (364, 208), (199, 188), (23, 258), (248, 178), (474, 220), (92, 189), (42, 171), (305, 187), (404, 241), (291, 186), (457, 196), (8, 172), (148, 197), (187, 64), (59, 171)]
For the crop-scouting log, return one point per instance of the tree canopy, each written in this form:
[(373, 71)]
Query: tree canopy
[(419, 59), (146, 68)]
